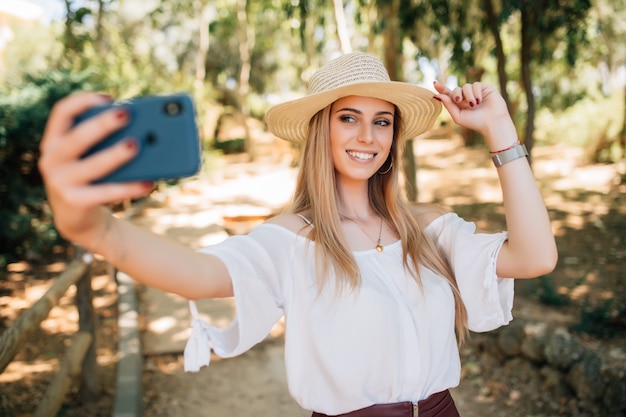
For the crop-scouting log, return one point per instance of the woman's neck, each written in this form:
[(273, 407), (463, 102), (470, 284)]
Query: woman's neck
[(354, 200)]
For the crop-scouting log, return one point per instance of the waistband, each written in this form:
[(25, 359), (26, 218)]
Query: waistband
[(440, 404)]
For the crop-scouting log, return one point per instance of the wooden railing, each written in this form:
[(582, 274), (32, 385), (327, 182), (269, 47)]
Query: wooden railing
[(79, 362)]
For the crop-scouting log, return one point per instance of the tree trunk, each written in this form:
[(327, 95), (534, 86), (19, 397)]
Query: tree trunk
[(203, 49), (622, 134), (52, 400), (470, 136), (99, 41), (245, 34), (342, 28), (494, 27), (392, 42), (69, 40), (87, 323), (527, 34)]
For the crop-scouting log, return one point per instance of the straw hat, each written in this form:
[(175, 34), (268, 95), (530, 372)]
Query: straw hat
[(354, 74)]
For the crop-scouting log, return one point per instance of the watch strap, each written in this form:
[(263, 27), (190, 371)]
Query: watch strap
[(516, 152)]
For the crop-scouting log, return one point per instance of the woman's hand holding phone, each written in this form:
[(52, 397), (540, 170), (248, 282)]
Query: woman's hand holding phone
[(76, 202)]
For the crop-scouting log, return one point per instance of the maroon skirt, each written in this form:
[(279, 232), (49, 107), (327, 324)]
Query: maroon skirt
[(440, 404)]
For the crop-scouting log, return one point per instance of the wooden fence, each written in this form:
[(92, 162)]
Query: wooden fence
[(79, 362)]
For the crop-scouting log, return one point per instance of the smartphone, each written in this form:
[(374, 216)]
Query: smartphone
[(167, 135)]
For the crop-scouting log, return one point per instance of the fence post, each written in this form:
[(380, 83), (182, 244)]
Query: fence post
[(89, 387), (128, 387), (70, 369)]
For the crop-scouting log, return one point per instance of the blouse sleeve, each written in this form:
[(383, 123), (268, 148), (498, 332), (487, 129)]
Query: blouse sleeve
[(257, 297), (472, 256)]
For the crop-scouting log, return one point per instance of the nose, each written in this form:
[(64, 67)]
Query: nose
[(365, 134)]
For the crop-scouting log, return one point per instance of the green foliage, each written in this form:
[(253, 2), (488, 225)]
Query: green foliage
[(583, 124), (549, 295), (35, 49), (26, 228), (231, 146), (601, 320)]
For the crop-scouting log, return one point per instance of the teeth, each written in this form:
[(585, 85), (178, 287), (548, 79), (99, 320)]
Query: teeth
[(361, 155)]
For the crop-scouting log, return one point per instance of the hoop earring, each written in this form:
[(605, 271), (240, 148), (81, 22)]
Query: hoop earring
[(389, 168)]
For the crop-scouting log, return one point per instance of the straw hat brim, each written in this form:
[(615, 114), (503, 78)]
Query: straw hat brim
[(418, 108)]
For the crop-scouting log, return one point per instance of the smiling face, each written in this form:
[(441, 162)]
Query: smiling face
[(361, 134)]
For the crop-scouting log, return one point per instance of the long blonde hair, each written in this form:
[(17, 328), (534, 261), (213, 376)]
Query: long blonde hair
[(316, 183)]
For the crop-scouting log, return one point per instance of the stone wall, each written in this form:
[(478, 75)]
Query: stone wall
[(576, 378)]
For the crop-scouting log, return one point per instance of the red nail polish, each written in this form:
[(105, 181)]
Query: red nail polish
[(131, 144), (121, 114), (477, 101), (437, 98), (471, 104)]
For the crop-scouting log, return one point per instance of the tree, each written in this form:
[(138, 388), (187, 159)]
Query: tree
[(393, 58), (462, 29), (245, 34), (494, 22), (611, 56), (544, 23), (26, 230), (342, 28)]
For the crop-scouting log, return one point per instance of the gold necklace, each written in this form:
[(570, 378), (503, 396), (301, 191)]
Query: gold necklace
[(379, 246)]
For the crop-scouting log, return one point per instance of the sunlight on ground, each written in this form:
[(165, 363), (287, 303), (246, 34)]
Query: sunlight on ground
[(18, 370), (197, 219), (32, 291), (596, 177), (18, 267), (162, 325)]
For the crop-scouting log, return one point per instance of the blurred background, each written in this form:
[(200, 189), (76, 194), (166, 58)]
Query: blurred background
[(560, 65)]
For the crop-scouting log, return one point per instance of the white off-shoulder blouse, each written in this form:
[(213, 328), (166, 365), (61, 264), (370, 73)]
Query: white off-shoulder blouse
[(391, 341)]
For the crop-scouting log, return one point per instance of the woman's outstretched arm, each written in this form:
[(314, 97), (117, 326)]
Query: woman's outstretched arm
[(80, 215)]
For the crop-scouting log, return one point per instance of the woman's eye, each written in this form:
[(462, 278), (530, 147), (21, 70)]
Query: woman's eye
[(382, 122), (347, 119)]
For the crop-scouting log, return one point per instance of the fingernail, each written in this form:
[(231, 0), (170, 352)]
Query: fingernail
[(457, 98), (121, 114), (437, 98), (148, 185), (477, 101), (131, 144), (471, 104), (105, 96)]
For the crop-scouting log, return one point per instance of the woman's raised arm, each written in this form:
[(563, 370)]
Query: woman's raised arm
[(531, 249)]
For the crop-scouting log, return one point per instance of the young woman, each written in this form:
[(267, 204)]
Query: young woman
[(376, 292)]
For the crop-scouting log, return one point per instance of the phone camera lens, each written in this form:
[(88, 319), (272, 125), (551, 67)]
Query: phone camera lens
[(172, 108)]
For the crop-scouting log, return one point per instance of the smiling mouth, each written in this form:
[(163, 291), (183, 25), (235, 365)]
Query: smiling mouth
[(361, 155)]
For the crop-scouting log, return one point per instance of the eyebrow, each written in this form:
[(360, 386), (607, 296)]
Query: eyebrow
[(383, 112)]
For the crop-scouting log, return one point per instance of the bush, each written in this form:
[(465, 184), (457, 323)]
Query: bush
[(26, 229)]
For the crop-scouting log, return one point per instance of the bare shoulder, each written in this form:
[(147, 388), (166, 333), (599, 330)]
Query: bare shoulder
[(426, 213), (291, 221)]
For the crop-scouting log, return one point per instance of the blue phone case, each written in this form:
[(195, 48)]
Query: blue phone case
[(166, 131)]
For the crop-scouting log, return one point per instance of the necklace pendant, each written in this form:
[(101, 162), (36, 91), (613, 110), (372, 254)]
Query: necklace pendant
[(380, 248)]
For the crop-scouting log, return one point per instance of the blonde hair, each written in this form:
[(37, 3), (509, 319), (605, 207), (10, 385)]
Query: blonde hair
[(316, 183)]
